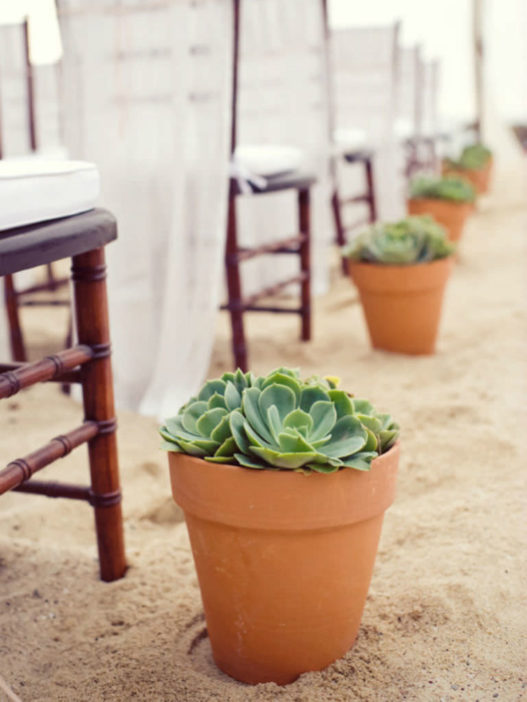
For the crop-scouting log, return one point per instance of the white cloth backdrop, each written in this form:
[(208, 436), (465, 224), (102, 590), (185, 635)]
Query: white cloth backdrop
[(282, 99), (147, 98), (364, 66)]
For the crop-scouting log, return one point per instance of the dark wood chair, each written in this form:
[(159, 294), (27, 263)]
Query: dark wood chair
[(297, 244), (81, 237)]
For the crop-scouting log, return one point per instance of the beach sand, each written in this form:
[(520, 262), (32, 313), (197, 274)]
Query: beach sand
[(445, 618)]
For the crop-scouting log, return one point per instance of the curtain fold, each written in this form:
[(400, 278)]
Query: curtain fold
[(147, 88), (282, 100)]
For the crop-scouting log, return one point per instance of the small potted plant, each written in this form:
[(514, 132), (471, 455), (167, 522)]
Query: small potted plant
[(284, 483), (449, 200), (474, 164), (400, 270)]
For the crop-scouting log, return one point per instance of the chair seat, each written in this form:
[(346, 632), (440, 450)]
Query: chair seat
[(268, 160), (37, 189), (352, 145), (37, 244)]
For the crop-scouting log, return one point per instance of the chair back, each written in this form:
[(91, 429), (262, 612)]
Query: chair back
[(17, 116), (281, 92), (363, 61), (409, 92)]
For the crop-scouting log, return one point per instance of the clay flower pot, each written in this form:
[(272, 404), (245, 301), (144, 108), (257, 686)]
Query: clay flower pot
[(284, 560), (452, 215), (402, 304), (480, 178)]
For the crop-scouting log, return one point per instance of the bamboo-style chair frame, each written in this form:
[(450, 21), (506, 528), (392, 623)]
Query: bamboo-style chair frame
[(81, 237)]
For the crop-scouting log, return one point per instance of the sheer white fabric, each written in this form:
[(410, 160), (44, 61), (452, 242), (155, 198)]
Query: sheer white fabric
[(409, 93), (282, 100), (430, 94), (13, 91), (363, 64), (147, 98)]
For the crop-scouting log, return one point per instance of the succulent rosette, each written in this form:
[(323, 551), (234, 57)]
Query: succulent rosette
[(280, 421), (472, 157), (451, 188), (418, 239)]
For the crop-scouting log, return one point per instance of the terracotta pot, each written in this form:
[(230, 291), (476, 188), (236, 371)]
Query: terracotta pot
[(452, 215), (284, 560), (402, 304), (480, 179)]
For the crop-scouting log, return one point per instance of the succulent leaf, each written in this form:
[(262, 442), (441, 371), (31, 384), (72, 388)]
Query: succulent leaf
[(279, 396), (236, 423), (347, 437), (212, 387), (249, 462), (251, 409), (310, 395), (324, 417), (299, 420), (210, 420), (342, 401), (280, 378), (192, 414)]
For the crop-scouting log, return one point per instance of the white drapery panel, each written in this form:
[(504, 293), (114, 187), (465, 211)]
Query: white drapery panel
[(409, 93), (147, 98), (14, 124), (430, 94), (364, 65), (282, 100)]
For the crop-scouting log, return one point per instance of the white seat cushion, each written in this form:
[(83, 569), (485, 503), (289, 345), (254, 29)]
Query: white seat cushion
[(403, 129), (268, 160), (36, 189), (349, 140)]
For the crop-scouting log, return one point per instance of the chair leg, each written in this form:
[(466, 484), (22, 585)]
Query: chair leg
[(305, 262), (91, 311), (372, 203), (239, 348), (18, 349), (339, 227), (52, 281)]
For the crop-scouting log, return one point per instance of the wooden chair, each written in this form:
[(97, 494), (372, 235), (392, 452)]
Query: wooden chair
[(17, 36), (81, 237), (297, 244)]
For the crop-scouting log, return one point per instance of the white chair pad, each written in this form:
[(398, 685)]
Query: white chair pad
[(36, 190), (349, 140), (268, 160)]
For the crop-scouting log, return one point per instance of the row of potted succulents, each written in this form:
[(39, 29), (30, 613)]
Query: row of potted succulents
[(401, 268), (284, 481)]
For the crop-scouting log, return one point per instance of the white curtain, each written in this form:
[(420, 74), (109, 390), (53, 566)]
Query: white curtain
[(364, 65), (282, 100), (147, 98)]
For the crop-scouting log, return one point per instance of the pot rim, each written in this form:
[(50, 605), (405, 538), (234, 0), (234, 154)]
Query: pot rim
[(442, 200), (282, 500), (400, 266)]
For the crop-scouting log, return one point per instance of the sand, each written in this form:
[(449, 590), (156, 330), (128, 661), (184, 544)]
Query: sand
[(445, 617)]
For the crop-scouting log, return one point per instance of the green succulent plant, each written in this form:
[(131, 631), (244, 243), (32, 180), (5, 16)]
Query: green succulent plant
[(447, 188), (411, 240), (280, 421), (472, 157)]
